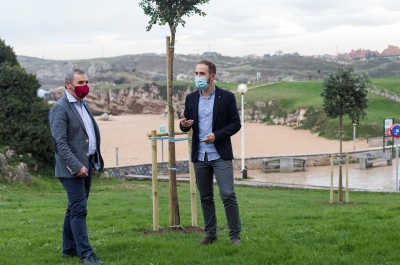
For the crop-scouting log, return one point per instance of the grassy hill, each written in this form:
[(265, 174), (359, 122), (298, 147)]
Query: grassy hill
[(391, 83), (290, 96)]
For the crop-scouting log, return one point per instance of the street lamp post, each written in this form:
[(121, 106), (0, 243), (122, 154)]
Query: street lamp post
[(242, 89)]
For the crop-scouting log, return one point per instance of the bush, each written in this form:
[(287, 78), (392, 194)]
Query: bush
[(24, 125)]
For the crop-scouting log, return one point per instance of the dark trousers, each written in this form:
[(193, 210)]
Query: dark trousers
[(75, 236), (223, 170)]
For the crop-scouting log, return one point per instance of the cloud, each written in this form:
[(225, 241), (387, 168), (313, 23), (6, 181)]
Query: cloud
[(81, 29)]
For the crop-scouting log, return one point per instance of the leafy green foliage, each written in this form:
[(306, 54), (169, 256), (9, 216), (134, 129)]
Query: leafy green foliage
[(7, 54), (24, 125), (345, 92), (170, 12)]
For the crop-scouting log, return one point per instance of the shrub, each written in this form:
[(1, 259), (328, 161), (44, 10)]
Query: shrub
[(24, 125)]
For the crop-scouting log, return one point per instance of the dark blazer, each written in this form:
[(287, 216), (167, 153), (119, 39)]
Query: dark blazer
[(70, 139), (226, 121)]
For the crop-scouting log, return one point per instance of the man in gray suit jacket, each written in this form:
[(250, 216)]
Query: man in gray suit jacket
[(76, 141)]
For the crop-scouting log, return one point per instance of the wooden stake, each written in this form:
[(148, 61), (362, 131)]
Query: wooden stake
[(347, 177), (192, 183), (154, 174), (331, 191)]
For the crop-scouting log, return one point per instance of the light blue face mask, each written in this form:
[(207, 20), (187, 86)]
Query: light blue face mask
[(201, 83)]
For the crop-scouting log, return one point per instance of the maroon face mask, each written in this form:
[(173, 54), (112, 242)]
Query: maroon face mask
[(82, 91)]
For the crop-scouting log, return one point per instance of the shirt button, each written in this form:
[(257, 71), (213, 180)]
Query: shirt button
[(87, 140), (87, 154)]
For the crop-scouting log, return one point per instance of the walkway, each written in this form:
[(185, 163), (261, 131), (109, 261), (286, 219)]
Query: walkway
[(379, 178)]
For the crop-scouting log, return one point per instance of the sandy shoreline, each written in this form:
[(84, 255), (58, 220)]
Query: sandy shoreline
[(129, 134)]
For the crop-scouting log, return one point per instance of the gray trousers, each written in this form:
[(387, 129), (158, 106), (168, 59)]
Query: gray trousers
[(223, 170)]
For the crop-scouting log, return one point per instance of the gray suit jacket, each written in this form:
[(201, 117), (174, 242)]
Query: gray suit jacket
[(70, 139)]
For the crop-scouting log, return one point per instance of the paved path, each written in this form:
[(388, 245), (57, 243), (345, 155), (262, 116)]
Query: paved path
[(379, 178)]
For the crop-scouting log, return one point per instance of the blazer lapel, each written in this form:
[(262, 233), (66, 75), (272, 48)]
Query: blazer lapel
[(217, 101), (196, 108)]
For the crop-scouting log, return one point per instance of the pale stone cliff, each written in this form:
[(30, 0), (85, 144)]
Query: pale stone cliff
[(126, 101), (150, 101)]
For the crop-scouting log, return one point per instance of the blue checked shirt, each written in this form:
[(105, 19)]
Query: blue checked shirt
[(206, 107), (87, 121)]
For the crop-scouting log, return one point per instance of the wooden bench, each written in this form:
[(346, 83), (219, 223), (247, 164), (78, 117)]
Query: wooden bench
[(368, 158), (285, 164)]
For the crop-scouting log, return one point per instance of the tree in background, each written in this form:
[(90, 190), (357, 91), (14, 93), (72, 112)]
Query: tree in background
[(345, 92), (24, 124), (170, 12)]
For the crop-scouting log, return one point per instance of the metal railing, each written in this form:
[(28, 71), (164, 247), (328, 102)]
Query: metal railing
[(380, 91)]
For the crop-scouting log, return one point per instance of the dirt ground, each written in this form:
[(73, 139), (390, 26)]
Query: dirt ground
[(129, 134)]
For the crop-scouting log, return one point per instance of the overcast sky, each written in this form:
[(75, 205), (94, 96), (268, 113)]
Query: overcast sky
[(95, 28)]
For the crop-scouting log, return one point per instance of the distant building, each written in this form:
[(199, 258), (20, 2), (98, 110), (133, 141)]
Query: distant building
[(391, 51), (361, 54), (252, 56), (41, 93)]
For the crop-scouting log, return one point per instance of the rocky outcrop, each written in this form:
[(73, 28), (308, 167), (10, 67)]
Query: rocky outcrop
[(292, 119), (106, 117), (17, 174), (120, 101)]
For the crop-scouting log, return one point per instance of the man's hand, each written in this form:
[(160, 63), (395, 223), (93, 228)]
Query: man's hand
[(210, 138), (83, 172), (186, 123)]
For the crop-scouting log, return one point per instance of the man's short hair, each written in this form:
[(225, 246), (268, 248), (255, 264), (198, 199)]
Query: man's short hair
[(69, 75), (212, 69)]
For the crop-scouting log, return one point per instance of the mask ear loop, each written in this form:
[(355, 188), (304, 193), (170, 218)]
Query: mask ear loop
[(209, 80)]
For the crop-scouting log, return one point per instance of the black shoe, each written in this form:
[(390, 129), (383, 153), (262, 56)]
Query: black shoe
[(207, 241), (236, 241), (70, 255), (92, 259)]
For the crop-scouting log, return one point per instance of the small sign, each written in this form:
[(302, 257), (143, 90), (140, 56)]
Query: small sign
[(388, 124), (162, 128), (395, 131)]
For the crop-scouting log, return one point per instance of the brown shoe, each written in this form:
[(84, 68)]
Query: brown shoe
[(207, 241), (236, 241)]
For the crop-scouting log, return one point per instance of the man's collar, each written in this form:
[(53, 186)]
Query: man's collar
[(71, 98), (212, 92)]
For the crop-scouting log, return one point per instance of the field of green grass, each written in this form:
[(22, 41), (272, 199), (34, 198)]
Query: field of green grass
[(391, 83), (279, 226), (307, 94)]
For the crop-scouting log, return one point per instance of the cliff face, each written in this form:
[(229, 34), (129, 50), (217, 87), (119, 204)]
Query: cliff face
[(126, 101)]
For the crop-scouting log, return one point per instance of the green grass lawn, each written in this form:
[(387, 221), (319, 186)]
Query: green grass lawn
[(392, 83), (280, 226)]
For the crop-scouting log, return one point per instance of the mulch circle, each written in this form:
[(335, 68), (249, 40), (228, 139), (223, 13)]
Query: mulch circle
[(178, 229)]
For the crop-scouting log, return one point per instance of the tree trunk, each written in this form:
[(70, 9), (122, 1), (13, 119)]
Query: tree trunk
[(340, 199), (174, 217)]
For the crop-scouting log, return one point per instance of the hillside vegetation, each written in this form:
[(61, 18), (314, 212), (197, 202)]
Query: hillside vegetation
[(135, 70), (290, 96)]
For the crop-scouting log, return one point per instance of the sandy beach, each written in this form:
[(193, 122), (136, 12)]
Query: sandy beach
[(129, 134)]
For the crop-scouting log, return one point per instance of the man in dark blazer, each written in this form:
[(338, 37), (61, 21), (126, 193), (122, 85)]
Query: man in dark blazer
[(212, 114), (76, 141)]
